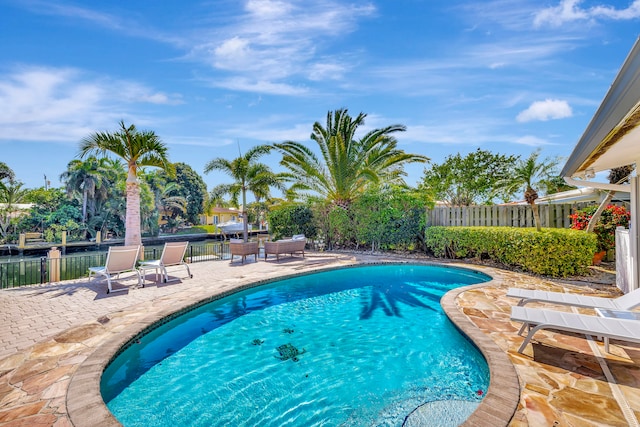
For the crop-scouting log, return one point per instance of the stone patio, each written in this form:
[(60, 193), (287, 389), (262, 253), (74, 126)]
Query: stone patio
[(61, 334)]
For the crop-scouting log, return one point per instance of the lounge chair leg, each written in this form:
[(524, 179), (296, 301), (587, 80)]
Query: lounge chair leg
[(529, 336), (522, 328)]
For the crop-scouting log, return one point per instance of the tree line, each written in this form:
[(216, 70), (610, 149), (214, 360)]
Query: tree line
[(123, 180)]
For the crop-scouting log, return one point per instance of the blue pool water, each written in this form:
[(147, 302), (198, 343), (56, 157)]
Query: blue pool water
[(363, 346)]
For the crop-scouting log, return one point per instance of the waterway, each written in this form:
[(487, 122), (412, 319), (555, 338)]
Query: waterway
[(35, 251)]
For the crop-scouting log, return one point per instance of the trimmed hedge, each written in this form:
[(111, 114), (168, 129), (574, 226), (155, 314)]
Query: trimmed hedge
[(553, 251)]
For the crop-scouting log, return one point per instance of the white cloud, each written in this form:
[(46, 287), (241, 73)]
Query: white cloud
[(65, 104), (121, 23), (570, 11), (549, 109), (326, 71), (245, 84), (277, 40), (268, 7), (531, 141), (233, 54)]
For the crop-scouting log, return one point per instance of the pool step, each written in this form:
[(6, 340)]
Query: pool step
[(441, 413)]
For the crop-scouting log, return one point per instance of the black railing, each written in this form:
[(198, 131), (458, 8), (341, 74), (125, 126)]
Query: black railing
[(38, 270)]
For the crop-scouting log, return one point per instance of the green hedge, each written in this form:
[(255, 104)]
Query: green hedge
[(552, 251), (289, 219)]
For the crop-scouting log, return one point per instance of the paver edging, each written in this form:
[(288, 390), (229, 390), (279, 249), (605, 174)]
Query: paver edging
[(504, 389)]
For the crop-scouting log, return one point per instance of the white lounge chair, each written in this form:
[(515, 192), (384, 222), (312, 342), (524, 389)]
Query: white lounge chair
[(120, 259), (172, 254), (625, 302), (535, 319)]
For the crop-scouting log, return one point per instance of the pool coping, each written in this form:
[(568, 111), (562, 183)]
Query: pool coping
[(503, 395), (85, 405)]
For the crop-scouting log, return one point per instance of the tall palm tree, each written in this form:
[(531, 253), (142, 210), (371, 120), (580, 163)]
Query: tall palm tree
[(84, 178), (248, 175), (527, 174), (10, 195), (346, 165), (137, 149)]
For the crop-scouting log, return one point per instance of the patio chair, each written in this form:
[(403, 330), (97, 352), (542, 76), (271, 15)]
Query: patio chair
[(535, 319), (172, 254), (120, 259), (238, 247), (625, 302)]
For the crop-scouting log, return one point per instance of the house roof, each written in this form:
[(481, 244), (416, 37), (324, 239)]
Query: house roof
[(578, 195), (613, 135)]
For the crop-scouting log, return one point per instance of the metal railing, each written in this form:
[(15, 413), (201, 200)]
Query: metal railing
[(37, 270)]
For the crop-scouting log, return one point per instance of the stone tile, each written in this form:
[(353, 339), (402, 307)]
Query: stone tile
[(32, 367), (37, 383), (23, 411), (42, 420)]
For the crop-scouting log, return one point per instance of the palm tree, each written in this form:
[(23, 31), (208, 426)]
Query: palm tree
[(347, 165), (527, 174), (137, 149), (173, 205), (10, 195), (85, 178), (248, 174)]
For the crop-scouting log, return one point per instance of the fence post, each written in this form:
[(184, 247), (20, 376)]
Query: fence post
[(54, 265), (22, 241), (43, 270), (64, 242)]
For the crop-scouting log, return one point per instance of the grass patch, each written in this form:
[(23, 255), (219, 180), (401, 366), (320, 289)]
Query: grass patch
[(200, 229)]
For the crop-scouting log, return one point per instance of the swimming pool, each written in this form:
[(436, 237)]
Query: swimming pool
[(357, 346)]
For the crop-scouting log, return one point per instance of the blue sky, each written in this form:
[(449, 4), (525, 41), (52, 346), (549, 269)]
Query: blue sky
[(507, 76)]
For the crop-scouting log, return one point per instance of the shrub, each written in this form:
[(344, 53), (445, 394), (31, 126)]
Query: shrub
[(291, 219), (613, 216), (552, 252)]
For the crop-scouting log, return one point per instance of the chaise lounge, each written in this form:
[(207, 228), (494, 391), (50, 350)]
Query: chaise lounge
[(172, 255), (607, 327), (120, 259), (285, 246), (625, 302)]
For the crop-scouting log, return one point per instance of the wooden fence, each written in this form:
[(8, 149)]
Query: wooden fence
[(551, 216)]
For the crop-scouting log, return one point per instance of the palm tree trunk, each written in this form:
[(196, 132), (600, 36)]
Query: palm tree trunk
[(598, 213), (536, 216), (85, 196), (132, 215), (245, 226)]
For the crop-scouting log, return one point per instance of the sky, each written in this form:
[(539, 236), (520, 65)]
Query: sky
[(213, 78)]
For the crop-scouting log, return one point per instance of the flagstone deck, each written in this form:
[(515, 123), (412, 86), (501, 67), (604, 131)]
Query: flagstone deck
[(50, 335)]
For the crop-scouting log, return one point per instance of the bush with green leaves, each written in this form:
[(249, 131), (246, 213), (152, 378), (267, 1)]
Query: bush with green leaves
[(290, 219), (381, 218), (551, 252), (390, 219)]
